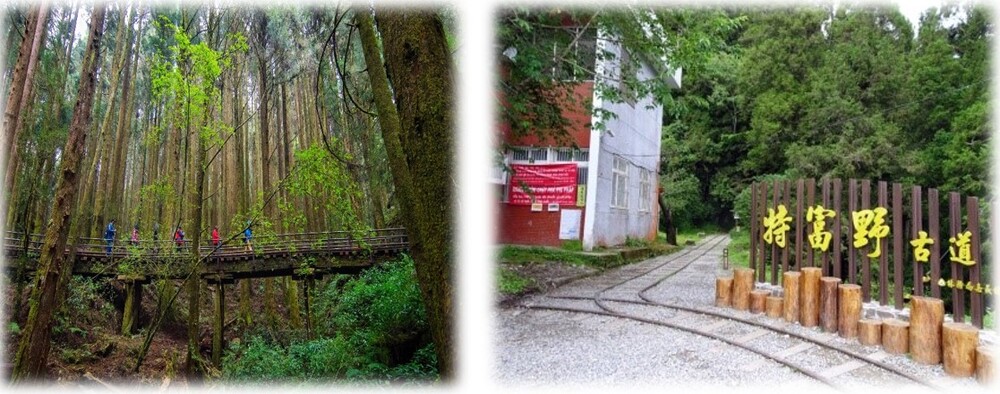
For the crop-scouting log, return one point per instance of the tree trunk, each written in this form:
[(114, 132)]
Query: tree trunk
[(418, 141), (270, 307), (21, 89), (33, 350), (668, 219)]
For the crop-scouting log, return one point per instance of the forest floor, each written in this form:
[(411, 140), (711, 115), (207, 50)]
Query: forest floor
[(88, 349)]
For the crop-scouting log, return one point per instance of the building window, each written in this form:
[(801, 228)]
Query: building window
[(619, 183), (645, 189)]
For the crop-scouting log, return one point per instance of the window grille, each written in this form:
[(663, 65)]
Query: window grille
[(619, 180)]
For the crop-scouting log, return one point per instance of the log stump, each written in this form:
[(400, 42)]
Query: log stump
[(774, 306), (895, 336), (959, 343), (828, 303), (724, 292), (757, 300), (790, 283), (926, 318), (985, 373), (742, 284), (870, 332), (809, 294), (848, 310)]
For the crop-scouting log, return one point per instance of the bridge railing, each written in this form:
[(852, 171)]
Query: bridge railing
[(290, 243)]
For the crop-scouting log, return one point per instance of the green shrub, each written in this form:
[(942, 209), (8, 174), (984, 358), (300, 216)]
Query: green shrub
[(371, 328)]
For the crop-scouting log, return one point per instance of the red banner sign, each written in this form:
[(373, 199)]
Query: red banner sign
[(548, 183)]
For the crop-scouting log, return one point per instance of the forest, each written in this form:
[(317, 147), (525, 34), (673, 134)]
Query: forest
[(171, 137), (847, 90)]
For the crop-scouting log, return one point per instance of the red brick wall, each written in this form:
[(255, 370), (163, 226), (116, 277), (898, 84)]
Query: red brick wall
[(576, 113), (520, 226)]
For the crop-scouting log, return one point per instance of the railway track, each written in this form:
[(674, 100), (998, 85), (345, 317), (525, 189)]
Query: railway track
[(624, 294)]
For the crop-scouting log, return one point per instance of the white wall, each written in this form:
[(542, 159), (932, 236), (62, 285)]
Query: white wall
[(634, 136)]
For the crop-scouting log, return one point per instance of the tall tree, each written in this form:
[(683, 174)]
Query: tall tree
[(418, 139), (33, 349)]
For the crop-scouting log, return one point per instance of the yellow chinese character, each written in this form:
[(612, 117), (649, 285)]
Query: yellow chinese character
[(941, 282), (964, 254), (959, 284), (869, 224), (968, 286), (820, 239), (927, 279), (951, 283), (920, 252), (776, 223), (979, 288), (987, 290)]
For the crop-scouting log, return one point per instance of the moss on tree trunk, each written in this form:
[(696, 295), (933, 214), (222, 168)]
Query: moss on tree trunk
[(33, 350)]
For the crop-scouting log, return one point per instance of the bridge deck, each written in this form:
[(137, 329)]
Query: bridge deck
[(280, 255)]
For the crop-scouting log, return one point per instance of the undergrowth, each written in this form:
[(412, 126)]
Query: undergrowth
[(373, 327)]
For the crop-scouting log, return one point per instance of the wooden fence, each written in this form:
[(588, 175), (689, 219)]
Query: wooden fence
[(793, 227)]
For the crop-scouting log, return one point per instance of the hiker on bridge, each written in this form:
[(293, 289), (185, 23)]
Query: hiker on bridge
[(109, 235), (247, 235), (179, 238), (215, 236), (135, 235)]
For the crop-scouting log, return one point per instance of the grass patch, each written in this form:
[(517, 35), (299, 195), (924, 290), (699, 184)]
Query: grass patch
[(573, 245), (511, 282), (536, 254)]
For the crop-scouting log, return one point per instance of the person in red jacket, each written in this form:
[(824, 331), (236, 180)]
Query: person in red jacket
[(215, 236), (179, 238)]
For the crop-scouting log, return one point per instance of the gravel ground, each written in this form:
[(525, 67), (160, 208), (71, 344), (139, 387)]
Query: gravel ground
[(540, 348)]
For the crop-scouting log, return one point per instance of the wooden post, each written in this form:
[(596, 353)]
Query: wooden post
[(959, 343), (849, 310), (926, 317), (870, 332), (757, 300), (724, 291), (220, 322), (828, 303), (774, 306), (133, 305), (790, 283), (309, 317), (985, 373), (809, 294), (742, 284), (895, 336)]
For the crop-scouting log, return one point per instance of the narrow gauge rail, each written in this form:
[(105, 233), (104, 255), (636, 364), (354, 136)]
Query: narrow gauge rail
[(693, 254)]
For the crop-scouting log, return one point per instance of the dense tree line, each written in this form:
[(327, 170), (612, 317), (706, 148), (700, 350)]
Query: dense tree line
[(204, 116), (847, 91)]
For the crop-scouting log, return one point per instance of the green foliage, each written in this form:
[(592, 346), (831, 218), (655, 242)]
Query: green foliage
[(526, 255), (325, 178), (847, 92), (370, 328), (13, 328), (510, 282)]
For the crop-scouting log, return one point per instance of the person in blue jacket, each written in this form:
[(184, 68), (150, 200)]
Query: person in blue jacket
[(247, 234), (109, 236)]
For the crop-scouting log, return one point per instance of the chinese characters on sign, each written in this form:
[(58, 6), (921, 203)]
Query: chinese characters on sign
[(869, 225), (920, 252), (776, 224), (820, 238), (543, 183), (964, 254)]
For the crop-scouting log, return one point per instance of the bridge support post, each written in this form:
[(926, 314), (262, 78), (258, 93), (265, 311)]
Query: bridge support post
[(133, 302), (220, 323), (219, 320)]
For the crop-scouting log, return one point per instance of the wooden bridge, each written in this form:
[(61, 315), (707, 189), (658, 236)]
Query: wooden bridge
[(278, 255), (303, 256)]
